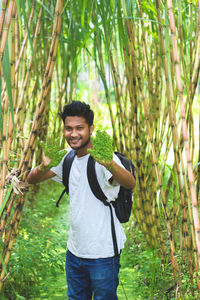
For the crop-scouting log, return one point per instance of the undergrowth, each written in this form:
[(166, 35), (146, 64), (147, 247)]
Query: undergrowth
[(36, 267), (144, 275), (38, 258)]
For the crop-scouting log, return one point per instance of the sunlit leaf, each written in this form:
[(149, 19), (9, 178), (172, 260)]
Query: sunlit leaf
[(3, 264), (8, 192), (46, 8), (19, 14), (28, 31)]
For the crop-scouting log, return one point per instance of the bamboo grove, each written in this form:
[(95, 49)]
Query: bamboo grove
[(144, 57)]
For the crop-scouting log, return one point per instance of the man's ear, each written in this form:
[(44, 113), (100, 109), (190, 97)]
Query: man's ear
[(91, 128)]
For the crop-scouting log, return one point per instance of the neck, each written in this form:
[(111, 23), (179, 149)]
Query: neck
[(83, 151)]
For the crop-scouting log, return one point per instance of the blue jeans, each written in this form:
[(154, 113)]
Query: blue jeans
[(92, 277)]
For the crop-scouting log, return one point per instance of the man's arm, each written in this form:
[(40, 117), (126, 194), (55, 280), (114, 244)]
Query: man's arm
[(41, 172), (121, 175), (104, 156), (37, 175)]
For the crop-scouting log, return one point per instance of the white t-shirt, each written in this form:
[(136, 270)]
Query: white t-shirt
[(90, 221)]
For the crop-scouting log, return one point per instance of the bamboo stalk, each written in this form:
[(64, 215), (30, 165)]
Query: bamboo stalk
[(184, 127), (155, 164), (2, 48), (146, 109), (107, 93), (29, 69), (45, 86), (30, 144), (177, 153), (2, 16), (5, 31), (24, 84), (142, 205), (8, 134), (118, 101)]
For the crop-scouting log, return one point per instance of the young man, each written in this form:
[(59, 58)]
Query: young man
[(91, 266)]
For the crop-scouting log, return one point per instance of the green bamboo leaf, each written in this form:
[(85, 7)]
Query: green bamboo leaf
[(1, 114), (173, 175), (28, 31), (66, 3), (123, 40), (129, 7), (151, 8), (96, 20), (198, 164), (114, 17), (5, 199), (19, 15), (3, 264), (99, 71), (83, 13), (7, 76), (124, 7), (72, 45), (106, 25), (46, 8), (168, 48)]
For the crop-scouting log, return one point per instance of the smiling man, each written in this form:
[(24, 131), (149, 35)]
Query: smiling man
[(91, 265), (77, 133)]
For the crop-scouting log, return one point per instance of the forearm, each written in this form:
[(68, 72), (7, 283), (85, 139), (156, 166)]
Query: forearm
[(121, 175), (39, 174)]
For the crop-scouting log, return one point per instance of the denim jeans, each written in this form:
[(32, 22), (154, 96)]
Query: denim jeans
[(92, 277)]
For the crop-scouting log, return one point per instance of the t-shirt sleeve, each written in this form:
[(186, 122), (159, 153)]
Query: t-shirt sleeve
[(108, 174)]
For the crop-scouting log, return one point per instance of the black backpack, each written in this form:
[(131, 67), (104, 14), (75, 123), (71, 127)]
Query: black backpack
[(122, 204)]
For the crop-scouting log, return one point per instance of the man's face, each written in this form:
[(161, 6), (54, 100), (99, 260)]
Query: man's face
[(77, 132)]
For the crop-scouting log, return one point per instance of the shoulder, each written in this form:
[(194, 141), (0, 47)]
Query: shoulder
[(69, 156)]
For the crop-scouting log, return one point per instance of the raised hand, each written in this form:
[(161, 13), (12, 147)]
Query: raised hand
[(102, 150), (52, 154)]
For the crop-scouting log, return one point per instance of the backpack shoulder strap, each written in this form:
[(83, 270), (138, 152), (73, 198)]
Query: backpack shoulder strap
[(97, 191), (93, 182), (67, 163)]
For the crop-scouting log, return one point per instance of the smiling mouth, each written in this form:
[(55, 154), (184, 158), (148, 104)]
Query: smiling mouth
[(75, 141)]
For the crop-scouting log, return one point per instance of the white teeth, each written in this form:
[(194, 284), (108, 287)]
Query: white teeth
[(74, 141)]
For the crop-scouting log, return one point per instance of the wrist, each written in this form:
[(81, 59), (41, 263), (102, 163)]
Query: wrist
[(109, 165), (43, 168)]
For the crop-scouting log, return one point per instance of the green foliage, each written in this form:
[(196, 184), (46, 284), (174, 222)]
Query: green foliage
[(36, 268), (8, 192), (144, 275), (102, 118), (102, 146), (37, 263), (38, 259)]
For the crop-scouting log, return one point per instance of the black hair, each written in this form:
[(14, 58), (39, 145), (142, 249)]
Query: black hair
[(78, 108)]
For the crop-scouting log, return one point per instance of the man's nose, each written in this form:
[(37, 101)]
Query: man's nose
[(74, 133)]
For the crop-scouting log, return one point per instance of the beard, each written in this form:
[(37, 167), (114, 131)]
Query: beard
[(82, 146)]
